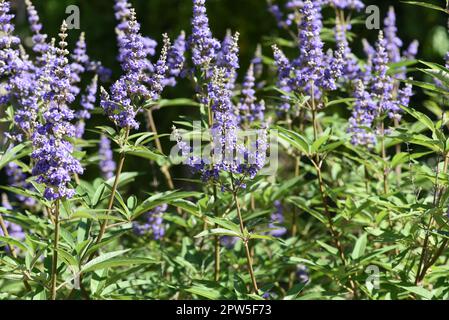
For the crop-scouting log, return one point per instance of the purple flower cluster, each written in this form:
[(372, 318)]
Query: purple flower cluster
[(141, 80), (107, 163), (347, 4), (302, 273), (54, 163), (383, 99), (292, 7), (381, 93), (40, 44), (14, 230), (176, 59), (219, 64), (228, 57), (228, 241), (313, 71), (154, 222), (88, 100), (203, 45), (351, 69), (277, 219), (19, 84), (363, 116), (250, 108)]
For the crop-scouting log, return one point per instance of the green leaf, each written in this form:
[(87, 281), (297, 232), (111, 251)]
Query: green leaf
[(295, 291), (204, 292), (421, 117), (91, 265), (13, 154), (219, 232), (161, 198), (426, 5), (143, 152), (294, 139), (327, 247), (13, 242), (360, 247), (118, 262), (420, 291)]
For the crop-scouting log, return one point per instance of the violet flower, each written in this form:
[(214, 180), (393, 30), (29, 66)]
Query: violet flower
[(54, 163), (153, 221), (107, 163), (277, 219)]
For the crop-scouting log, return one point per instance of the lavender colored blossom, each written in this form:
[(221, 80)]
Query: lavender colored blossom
[(228, 58), (229, 154), (277, 219), (203, 45), (302, 273), (88, 100), (363, 116), (312, 72), (10, 61), (17, 178), (404, 94), (107, 163), (347, 4), (257, 62), (250, 109), (154, 221), (19, 87), (277, 14), (54, 163), (412, 50), (135, 86), (176, 59), (393, 43), (14, 230), (351, 70), (147, 46), (228, 241), (40, 44), (78, 66), (284, 68), (382, 83)]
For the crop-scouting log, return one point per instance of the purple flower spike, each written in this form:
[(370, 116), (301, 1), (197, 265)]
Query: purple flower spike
[(54, 163), (154, 221), (204, 47), (276, 219), (107, 163)]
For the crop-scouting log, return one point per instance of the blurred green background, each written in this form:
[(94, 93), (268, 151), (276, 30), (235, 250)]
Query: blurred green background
[(250, 17)]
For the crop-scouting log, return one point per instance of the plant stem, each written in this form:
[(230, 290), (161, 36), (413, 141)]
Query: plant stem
[(384, 156), (217, 242), (164, 169), (423, 265), (6, 234), (398, 150), (245, 241), (54, 269), (12, 250), (317, 164), (295, 213), (113, 191)]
